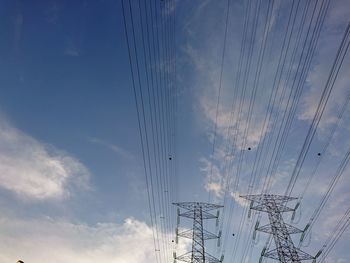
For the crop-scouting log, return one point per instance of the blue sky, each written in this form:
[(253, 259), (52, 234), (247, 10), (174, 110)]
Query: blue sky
[(72, 181)]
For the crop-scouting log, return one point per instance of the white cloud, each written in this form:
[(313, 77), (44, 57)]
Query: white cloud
[(34, 170), (242, 202), (310, 101), (329, 43), (203, 51), (59, 241), (204, 55), (216, 182), (214, 179)]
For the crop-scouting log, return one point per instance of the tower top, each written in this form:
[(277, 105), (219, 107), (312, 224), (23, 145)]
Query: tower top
[(196, 205)]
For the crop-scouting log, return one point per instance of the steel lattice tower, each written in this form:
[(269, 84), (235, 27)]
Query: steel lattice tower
[(275, 205), (198, 212)]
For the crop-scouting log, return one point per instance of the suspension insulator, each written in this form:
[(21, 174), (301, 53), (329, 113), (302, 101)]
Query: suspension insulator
[(222, 258), (254, 234), (295, 209), (263, 251), (257, 225), (217, 218), (304, 231), (250, 208), (177, 235), (219, 238), (255, 229), (306, 227), (318, 253), (293, 215)]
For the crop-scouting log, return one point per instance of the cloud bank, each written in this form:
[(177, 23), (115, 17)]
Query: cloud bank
[(32, 170), (59, 241)]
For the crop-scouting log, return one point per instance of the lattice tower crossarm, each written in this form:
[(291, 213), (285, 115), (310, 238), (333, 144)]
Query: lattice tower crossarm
[(198, 211), (274, 205)]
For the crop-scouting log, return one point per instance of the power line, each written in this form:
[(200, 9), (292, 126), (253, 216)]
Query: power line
[(150, 199), (220, 86)]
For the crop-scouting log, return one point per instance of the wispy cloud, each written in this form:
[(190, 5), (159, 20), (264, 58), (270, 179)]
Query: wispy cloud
[(72, 47), (72, 51), (34, 170), (115, 148), (169, 8), (18, 24), (52, 12)]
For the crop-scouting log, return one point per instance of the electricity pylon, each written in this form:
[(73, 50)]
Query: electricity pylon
[(198, 212), (275, 205)]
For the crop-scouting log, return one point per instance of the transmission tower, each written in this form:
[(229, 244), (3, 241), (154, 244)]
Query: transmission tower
[(198, 212), (274, 206)]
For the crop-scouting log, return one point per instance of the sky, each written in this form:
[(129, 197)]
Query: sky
[(112, 110)]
